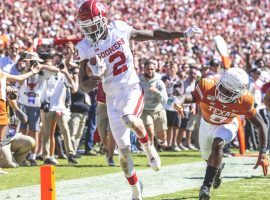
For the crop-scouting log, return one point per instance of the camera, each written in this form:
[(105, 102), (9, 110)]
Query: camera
[(61, 65), (12, 95), (33, 63), (45, 106)]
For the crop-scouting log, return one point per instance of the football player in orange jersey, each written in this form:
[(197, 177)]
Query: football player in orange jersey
[(221, 101)]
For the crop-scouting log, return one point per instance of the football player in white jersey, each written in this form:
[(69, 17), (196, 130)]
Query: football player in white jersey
[(105, 50)]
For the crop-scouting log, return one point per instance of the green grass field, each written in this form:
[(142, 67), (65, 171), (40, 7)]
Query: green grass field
[(255, 188), (88, 166), (246, 189)]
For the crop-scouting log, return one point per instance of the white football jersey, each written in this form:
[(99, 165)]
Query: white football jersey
[(116, 52)]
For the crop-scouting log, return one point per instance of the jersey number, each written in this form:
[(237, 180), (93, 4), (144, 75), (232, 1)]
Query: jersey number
[(217, 119), (120, 66)]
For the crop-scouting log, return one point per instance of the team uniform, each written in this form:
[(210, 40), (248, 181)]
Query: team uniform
[(124, 95), (219, 119)]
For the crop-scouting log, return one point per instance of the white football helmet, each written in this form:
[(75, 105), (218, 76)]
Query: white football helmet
[(231, 85)]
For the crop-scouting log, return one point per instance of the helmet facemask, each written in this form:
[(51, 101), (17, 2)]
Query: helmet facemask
[(94, 29), (225, 94)]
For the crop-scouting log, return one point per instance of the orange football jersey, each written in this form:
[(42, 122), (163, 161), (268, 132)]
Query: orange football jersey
[(214, 111)]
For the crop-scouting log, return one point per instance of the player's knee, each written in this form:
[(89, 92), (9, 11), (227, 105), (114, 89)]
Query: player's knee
[(217, 145), (129, 120), (126, 162)]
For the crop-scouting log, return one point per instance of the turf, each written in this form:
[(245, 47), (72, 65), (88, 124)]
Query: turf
[(89, 166), (255, 188)]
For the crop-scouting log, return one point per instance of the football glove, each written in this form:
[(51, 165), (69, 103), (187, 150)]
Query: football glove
[(263, 161), (98, 68), (193, 30)]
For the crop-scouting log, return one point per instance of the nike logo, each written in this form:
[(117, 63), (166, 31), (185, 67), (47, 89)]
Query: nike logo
[(235, 111)]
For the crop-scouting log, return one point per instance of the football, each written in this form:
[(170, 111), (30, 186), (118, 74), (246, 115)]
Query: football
[(93, 61)]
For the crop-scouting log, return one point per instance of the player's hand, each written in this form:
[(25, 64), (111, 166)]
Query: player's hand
[(263, 161), (179, 109), (193, 30), (98, 68)]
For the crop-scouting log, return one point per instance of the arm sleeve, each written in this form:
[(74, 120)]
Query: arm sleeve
[(123, 27), (198, 92), (249, 106)]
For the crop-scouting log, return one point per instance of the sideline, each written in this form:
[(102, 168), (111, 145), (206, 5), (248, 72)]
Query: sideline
[(168, 180)]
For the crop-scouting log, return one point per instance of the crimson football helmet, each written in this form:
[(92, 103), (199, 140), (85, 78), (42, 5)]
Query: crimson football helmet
[(92, 20)]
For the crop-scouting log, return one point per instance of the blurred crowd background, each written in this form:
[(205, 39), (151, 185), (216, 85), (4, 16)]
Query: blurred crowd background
[(245, 25)]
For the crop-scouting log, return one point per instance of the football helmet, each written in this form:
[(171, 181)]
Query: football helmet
[(92, 20), (231, 85)]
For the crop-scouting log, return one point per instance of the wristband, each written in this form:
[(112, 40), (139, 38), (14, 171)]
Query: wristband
[(262, 149)]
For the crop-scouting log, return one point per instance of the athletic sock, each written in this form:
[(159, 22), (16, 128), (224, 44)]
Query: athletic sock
[(209, 176), (134, 185), (144, 140), (133, 179)]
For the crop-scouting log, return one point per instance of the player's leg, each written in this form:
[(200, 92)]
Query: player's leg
[(227, 133), (131, 118), (205, 141), (121, 135), (222, 135)]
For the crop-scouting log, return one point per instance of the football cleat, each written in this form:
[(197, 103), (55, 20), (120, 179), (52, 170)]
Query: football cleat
[(137, 191), (204, 193), (152, 156), (217, 180)]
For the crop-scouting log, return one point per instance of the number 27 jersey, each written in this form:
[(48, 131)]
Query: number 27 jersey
[(116, 52), (215, 112)]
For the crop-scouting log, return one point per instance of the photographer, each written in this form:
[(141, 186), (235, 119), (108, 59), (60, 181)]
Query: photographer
[(15, 146), (55, 108), (4, 78), (30, 98)]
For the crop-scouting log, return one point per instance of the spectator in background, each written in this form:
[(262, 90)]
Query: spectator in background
[(15, 146), (30, 98), (188, 122), (80, 103), (92, 125), (103, 126), (154, 115), (214, 72), (266, 100), (9, 60), (55, 93), (173, 88)]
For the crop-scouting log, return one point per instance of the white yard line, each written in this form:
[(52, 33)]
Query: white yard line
[(114, 186)]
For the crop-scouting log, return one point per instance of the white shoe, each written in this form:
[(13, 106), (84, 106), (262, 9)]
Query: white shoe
[(152, 156), (182, 147), (176, 148), (137, 191), (192, 147)]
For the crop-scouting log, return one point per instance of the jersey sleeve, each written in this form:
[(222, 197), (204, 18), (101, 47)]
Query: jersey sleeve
[(198, 93), (82, 49), (249, 106), (123, 27)]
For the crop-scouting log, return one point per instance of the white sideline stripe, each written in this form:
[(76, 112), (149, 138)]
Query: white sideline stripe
[(114, 186)]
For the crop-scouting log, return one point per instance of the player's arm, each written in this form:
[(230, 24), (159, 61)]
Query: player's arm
[(86, 83), (258, 122), (162, 34), (183, 99)]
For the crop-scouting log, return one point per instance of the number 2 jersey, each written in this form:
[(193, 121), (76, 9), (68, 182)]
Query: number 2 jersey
[(116, 52), (215, 112)]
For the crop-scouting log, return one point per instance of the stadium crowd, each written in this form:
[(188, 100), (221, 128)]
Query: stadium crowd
[(52, 109)]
